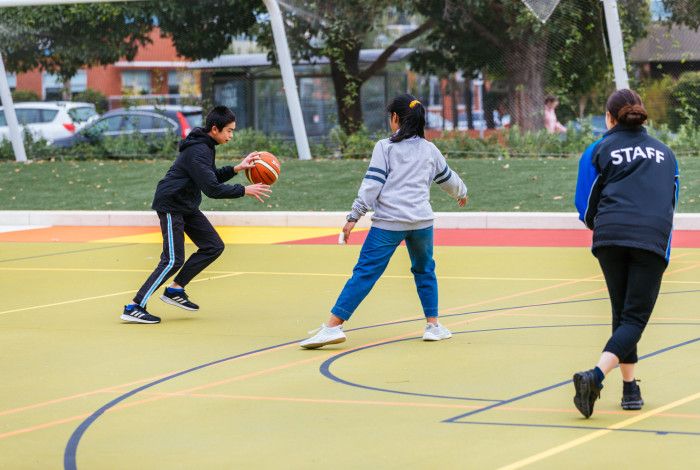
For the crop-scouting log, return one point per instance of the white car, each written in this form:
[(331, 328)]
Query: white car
[(49, 120)]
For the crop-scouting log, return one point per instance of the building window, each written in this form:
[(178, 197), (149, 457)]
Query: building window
[(12, 80), (136, 82), (52, 85)]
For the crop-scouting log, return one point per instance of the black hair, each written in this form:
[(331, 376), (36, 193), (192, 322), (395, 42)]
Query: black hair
[(626, 107), (411, 117), (219, 116), (550, 99)]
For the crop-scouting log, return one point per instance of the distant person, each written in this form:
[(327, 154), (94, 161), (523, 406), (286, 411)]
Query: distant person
[(397, 187), (551, 123), (177, 199), (626, 192)]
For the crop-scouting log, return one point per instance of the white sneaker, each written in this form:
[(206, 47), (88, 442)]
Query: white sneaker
[(323, 336), (436, 332)]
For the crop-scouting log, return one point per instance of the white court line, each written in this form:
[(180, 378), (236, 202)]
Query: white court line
[(114, 294)]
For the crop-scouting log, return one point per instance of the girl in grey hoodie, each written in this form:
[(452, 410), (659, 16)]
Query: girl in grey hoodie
[(397, 187)]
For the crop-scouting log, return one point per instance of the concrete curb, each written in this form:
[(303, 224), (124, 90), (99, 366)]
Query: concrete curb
[(465, 220)]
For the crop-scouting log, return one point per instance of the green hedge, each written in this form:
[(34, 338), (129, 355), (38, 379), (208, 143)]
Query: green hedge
[(685, 141)]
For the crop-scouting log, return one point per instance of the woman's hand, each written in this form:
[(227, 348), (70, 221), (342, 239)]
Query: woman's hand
[(347, 229), (258, 191), (247, 162)]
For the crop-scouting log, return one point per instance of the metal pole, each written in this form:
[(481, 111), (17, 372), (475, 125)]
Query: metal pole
[(617, 51), (10, 116), (290, 86)]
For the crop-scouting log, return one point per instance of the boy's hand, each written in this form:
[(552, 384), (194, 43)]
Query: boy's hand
[(248, 162), (258, 191), (347, 229), (463, 201)]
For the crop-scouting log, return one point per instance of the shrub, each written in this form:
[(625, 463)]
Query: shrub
[(94, 97), (24, 95), (656, 96), (685, 101)]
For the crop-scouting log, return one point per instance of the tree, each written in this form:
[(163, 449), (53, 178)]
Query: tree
[(503, 39), (204, 29), (63, 39), (338, 30)]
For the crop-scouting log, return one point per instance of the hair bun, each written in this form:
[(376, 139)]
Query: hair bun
[(632, 115)]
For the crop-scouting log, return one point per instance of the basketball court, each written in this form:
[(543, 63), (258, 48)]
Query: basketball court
[(228, 387)]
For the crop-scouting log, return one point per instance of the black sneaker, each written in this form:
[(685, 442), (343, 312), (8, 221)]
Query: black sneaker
[(587, 391), (138, 314), (179, 299), (632, 397)]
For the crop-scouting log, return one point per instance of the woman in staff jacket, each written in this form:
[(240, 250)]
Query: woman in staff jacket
[(626, 193)]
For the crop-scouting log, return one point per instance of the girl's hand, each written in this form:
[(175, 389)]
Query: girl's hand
[(248, 162), (258, 191), (463, 201), (347, 229)]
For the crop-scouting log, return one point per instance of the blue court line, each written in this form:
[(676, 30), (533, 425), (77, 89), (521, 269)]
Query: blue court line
[(70, 453), (584, 428), (557, 385)]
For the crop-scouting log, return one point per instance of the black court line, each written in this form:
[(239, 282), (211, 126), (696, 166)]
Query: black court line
[(67, 252), (557, 385), (70, 452), (325, 371)]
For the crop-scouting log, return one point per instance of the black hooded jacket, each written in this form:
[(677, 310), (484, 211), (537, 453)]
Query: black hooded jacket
[(193, 173)]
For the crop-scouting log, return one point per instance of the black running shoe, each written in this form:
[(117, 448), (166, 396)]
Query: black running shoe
[(179, 299), (632, 398), (587, 391), (138, 314)]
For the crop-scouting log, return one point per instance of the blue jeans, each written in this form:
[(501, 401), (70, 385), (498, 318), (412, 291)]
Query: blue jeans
[(376, 252)]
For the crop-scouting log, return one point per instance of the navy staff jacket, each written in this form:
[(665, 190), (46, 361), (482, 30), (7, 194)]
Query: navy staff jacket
[(627, 190)]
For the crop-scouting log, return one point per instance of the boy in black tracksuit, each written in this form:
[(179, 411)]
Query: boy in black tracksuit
[(177, 199), (626, 193)]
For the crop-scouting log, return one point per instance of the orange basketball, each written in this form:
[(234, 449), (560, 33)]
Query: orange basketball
[(266, 170)]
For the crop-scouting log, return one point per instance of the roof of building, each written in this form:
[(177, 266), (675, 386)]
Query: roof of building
[(261, 60), (676, 43)]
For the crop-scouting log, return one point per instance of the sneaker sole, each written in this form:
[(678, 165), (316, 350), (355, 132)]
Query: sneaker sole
[(170, 301), (632, 405), (130, 319), (581, 398), (434, 338), (318, 345)]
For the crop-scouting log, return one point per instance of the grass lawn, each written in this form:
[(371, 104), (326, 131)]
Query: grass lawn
[(510, 185)]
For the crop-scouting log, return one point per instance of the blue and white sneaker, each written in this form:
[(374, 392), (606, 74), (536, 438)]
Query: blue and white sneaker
[(179, 298), (138, 314)]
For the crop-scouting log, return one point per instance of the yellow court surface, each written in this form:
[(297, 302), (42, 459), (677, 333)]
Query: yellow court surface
[(228, 386)]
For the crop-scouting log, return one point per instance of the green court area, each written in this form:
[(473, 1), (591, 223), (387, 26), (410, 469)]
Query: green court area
[(228, 387)]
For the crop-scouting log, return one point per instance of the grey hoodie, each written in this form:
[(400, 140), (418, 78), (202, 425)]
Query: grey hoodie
[(397, 184)]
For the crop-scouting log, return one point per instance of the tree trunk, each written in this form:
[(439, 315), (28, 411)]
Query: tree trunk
[(66, 94), (525, 67), (345, 72)]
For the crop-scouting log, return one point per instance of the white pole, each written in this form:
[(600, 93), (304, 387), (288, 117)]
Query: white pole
[(10, 116), (290, 86), (617, 51)]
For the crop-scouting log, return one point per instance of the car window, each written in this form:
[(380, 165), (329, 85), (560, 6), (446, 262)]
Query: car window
[(133, 122), (195, 119), (160, 123), (28, 115), (81, 114), (48, 115), (108, 124)]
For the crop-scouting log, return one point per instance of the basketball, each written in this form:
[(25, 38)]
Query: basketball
[(266, 170)]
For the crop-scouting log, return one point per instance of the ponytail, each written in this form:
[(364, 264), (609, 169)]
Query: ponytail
[(411, 115), (626, 107)]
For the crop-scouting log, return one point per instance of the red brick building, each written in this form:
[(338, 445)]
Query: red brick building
[(157, 69)]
